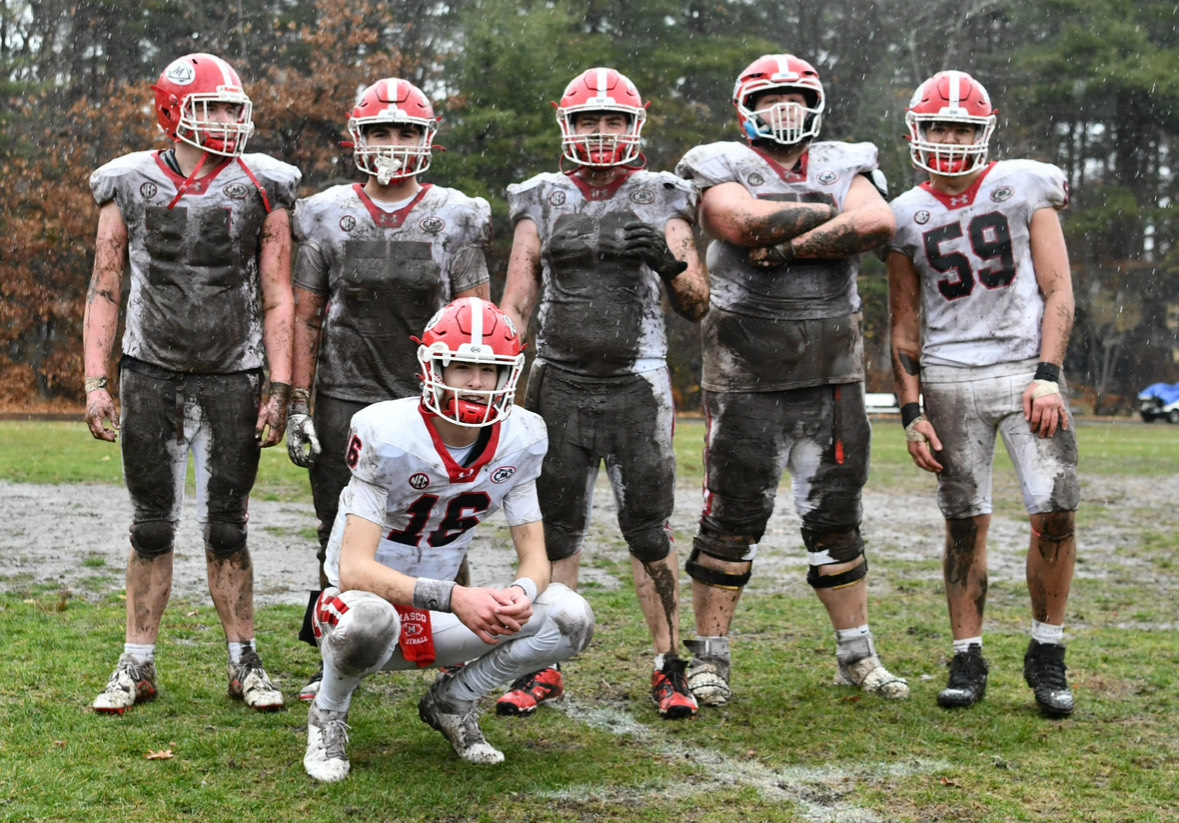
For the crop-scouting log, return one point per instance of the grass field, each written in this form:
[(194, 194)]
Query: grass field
[(789, 748)]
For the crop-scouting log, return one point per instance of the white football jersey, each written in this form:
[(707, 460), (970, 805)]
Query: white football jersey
[(600, 315), (384, 275), (405, 479), (793, 325), (804, 289), (195, 297), (980, 301)]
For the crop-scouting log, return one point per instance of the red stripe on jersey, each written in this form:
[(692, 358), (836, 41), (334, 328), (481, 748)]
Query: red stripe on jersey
[(389, 219), (457, 473)]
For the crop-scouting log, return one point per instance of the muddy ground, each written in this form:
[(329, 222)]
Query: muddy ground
[(75, 538)]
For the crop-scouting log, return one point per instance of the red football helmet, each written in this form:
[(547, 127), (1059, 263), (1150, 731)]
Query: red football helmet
[(392, 102), (184, 93), (785, 123), (601, 90), (950, 97), (470, 330)]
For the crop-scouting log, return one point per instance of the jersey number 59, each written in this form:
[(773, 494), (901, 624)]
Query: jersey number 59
[(990, 240)]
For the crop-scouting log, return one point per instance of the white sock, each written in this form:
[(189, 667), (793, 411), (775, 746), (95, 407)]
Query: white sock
[(1047, 633), (237, 649), (659, 662), (963, 646), (141, 653)]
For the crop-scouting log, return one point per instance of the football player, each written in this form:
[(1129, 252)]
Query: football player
[(204, 231), (425, 472), (374, 263), (981, 300), (597, 246), (783, 376)]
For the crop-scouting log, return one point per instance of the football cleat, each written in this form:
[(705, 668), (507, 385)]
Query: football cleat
[(459, 727), (709, 673), (1044, 671), (326, 759), (529, 691), (670, 692), (968, 679), (311, 688), (249, 682), (869, 675), (132, 682)]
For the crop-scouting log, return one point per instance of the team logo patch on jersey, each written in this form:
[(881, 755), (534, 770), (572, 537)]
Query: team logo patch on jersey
[(756, 179), (238, 191), (503, 474), (921, 217), (419, 481), (643, 197), (828, 178), (432, 224), (347, 222), (557, 198), (1002, 193), (181, 73), (148, 190)]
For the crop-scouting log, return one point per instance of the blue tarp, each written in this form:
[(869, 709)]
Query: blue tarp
[(1168, 393)]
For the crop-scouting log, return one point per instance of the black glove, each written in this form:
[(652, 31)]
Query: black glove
[(650, 246)]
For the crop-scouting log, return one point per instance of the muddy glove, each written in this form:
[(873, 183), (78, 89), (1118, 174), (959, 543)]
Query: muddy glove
[(649, 245), (302, 444)]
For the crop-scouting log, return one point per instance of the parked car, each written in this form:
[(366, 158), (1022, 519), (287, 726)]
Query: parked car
[(1159, 400)]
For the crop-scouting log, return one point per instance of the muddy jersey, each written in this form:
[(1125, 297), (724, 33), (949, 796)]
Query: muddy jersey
[(384, 275), (600, 314), (405, 479), (980, 300), (195, 295), (794, 325)]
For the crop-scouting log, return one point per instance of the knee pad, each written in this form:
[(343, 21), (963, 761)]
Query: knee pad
[(152, 538), (736, 549), (573, 617), (225, 539), (364, 640), (649, 545), (832, 548)]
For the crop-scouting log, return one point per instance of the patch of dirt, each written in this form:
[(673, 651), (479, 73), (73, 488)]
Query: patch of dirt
[(75, 537)]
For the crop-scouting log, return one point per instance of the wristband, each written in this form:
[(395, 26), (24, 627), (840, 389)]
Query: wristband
[(282, 391), (95, 384), (433, 595), (527, 585), (1047, 371), (909, 413)]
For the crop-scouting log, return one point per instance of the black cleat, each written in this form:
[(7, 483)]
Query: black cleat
[(1044, 671), (968, 679)]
